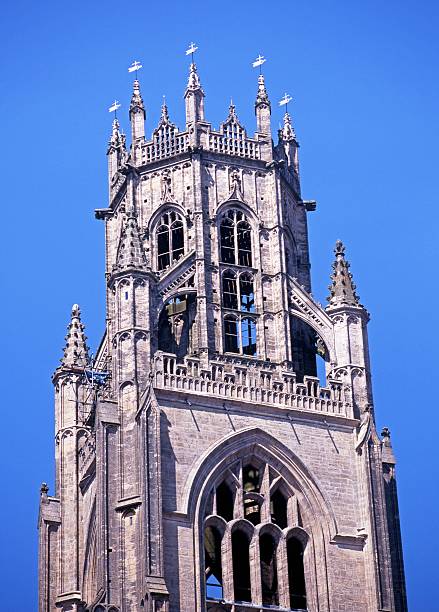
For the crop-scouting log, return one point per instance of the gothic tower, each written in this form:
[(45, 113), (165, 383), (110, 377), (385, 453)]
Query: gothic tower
[(201, 463)]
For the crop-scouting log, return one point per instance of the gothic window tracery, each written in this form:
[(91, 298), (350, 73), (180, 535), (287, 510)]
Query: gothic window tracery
[(235, 239), (240, 335), (169, 239), (251, 540)]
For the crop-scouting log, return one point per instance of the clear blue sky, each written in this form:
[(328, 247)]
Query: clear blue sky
[(364, 77)]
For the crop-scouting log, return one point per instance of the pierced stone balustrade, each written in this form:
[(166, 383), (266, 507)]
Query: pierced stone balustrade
[(252, 381)]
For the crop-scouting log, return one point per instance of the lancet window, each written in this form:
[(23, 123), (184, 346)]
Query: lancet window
[(252, 549), (169, 239)]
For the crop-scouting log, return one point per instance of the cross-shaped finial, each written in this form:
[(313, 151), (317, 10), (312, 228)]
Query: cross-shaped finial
[(285, 100), (191, 51), (114, 108), (258, 62), (135, 67)]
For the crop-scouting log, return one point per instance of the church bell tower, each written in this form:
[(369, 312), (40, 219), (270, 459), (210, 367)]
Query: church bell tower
[(202, 465)]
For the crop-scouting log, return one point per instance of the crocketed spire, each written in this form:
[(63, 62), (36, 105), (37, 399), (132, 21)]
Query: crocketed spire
[(130, 253), (136, 98), (262, 95), (288, 133), (343, 287), (76, 349)]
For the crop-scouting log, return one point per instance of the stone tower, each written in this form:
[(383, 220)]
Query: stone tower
[(201, 464)]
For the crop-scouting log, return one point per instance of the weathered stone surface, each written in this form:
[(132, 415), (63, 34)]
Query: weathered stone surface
[(207, 370)]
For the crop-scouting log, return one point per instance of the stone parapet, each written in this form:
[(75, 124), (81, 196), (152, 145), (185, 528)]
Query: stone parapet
[(252, 381)]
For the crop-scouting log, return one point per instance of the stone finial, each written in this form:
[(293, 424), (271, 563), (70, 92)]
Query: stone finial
[(262, 95), (44, 489), (385, 434), (115, 138), (76, 349), (287, 132), (130, 253), (136, 99), (342, 289), (194, 80)]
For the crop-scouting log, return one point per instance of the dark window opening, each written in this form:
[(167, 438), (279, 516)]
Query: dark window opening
[(212, 561), (170, 240), (244, 244), (251, 479), (303, 339), (296, 574), (227, 234), (251, 485), (230, 293), (176, 325), (163, 247), (224, 501), (241, 566), (267, 551), (279, 509), (231, 335), (248, 336), (247, 296), (235, 239)]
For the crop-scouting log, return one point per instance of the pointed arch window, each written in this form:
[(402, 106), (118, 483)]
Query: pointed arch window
[(235, 239), (169, 239), (212, 562), (241, 566), (278, 509), (259, 552), (296, 574), (268, 561)]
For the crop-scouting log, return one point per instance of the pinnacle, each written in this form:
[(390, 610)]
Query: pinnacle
[(130, 252), (288, 132), (117, 138), (136, 98), (194, 79), (76, 349), (262, 95), (342, 288)]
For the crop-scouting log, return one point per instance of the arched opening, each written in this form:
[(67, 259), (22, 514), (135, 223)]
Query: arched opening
[(241, 566), (278, 509), (225, 501), (308, 351), (212, 563), (267, 554), (175, 330), (169, 239), (296, 574)]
